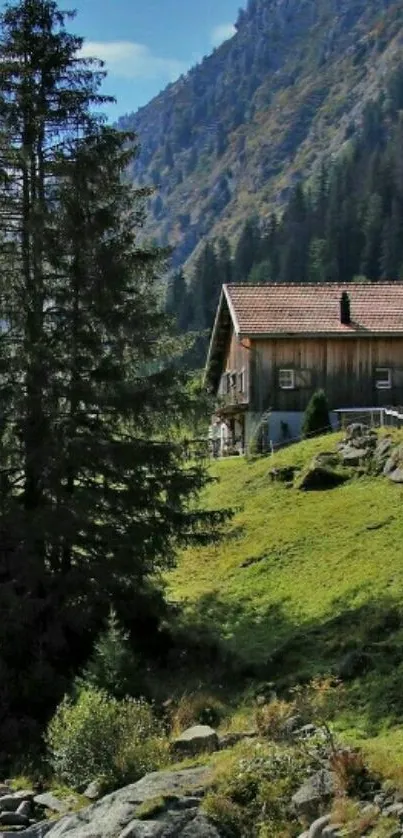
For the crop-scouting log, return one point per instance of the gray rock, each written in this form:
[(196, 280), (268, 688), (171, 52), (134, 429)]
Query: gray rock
[(93, 790), (396, 476), (24, 794), (316, 829), (334, 830), (196, 740), (9, 803), (13, 819), (353, 456), (314, 792), (25, 808), (37, 830), (115, 816), (4, 789), (49, 801), (395, 810)]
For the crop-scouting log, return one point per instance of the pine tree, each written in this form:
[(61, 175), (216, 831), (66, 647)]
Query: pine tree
[(94, 488), (316, 418)]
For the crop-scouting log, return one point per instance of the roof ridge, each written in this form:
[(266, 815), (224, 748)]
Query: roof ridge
[(371, 283)]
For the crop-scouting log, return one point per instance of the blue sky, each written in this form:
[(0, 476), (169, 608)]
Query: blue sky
[(148, 43)]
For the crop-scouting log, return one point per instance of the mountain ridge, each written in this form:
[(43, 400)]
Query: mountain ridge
[(232, 137)]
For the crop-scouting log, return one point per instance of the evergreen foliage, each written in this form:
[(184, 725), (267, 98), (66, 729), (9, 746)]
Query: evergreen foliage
[(113, 667), (316, 417), (95, 489)]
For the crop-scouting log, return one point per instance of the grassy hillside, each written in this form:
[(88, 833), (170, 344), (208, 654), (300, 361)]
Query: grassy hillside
[(301, 579)]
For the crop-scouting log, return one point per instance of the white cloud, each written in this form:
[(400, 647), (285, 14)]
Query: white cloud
[(129, 60), (221, 33)]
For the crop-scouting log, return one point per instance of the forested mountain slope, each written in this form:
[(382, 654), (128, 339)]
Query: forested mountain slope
[(232, 137)]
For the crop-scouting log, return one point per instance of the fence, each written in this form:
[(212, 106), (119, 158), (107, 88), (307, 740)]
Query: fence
[(375, 417)]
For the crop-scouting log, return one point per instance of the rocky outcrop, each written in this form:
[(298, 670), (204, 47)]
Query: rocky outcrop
[(165, 804)]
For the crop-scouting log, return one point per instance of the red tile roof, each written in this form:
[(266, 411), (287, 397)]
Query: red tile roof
[(258, 310)]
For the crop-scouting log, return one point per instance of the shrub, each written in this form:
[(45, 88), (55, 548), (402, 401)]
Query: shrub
[(316, 418), (253, 797), (271, 719), (353, 776), (100, 737), (197, 708)]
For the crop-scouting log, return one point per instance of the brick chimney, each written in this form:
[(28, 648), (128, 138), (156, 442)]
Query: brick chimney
[(345, 309)]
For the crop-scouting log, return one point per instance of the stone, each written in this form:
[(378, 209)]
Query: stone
[(9, 803), (4, 789), (37, 830), (396, 476), (353, 456), (196, 740), (316, 829), (318, 477), (395, 810), (93, 790), (13, 819), (115, 816), (24, 794), (25, 808), (49, 801), (334, 830), (317, 790)]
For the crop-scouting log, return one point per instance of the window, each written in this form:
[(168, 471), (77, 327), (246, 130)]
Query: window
[(232, 378), (286, 379), (383, 378), (241, 382)]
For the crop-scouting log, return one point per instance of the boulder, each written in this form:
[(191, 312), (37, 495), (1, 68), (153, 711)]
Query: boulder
[(314, 793), (316, 829), (318, 477), (397, 475), (4, 789), (93, 790), (9, 803), (164, 804), (334, 830), (13, 819), (25, 808), (394, 461), (49, 801), (198, 739), (351, 456)]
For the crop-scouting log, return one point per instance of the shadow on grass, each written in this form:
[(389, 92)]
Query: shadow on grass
[(361, 644)]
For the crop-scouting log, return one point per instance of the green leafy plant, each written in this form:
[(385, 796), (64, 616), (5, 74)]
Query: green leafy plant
[(99, 737)]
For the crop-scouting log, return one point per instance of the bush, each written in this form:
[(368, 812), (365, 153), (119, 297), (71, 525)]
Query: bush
[(253, 797), (271, 719), (316, 418), (99, 737)]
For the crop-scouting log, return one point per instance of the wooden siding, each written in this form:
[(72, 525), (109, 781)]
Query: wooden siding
[(237, 359), (344, 368)]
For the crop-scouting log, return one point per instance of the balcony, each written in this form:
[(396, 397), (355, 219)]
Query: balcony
[(233, 393)]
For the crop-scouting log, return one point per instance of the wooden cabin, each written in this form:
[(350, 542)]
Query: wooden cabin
[(273, 345)]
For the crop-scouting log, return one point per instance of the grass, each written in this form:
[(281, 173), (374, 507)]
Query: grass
[(302, 578)]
